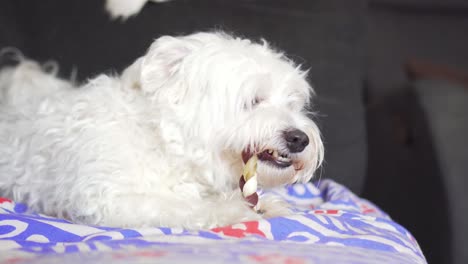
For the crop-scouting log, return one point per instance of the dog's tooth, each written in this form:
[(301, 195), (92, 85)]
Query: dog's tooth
[(270, 151), (275, 154), (250, 168), (284, 159)]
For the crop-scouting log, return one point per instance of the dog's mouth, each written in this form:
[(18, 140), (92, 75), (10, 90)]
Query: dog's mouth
[(270, 156)]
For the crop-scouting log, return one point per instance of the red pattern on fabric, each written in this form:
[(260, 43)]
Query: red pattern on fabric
[(277, 258), (327, 212), (5, 200), (366, 209), (251, 228), (151, 254), (15, 260)]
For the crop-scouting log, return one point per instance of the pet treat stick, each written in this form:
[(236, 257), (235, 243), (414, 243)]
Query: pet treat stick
[(248, 181)]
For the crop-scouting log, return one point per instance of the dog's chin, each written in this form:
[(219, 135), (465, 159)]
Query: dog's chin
[(274, 167)]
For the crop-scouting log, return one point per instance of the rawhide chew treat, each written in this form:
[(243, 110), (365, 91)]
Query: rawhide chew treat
[(248, 181)]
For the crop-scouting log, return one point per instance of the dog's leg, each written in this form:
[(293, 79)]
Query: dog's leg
[(273, 206), (135, 210)]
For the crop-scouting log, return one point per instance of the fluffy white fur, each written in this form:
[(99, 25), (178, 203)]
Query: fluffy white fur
[(161, 144), (126, 8)]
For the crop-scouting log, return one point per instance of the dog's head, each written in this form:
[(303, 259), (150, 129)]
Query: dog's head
[(237, 98)]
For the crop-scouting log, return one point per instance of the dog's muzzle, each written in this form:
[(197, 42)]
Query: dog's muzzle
[(270, 156), (295, 142)]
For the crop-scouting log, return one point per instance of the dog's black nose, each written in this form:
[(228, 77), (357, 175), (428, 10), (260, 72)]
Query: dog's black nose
[(296, 140)]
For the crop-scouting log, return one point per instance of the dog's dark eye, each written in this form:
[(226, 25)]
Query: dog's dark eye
[(252, 104), (256, 101)]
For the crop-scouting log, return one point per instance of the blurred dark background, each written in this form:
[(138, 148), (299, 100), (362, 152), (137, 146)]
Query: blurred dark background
[(391, 78)]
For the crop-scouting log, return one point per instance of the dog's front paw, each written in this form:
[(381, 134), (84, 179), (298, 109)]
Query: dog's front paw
[(270, 206)]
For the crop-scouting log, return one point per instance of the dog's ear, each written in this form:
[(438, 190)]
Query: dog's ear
[(154, 72), (163, 61)]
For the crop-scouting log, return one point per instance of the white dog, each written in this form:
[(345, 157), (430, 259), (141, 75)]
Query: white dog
[(163, 144)]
